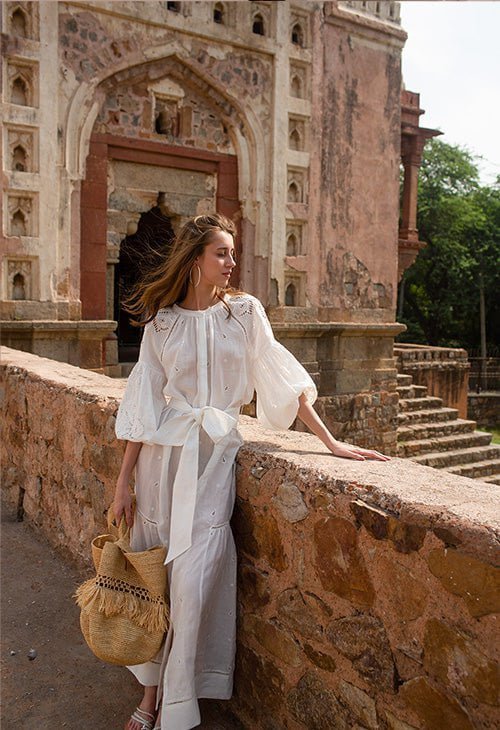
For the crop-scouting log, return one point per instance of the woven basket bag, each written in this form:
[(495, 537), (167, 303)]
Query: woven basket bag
[(124, 612)]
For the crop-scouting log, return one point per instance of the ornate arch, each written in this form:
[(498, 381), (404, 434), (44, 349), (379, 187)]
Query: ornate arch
[(243, 125)]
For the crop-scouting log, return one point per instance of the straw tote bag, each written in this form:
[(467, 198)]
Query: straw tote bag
[(124, 612)]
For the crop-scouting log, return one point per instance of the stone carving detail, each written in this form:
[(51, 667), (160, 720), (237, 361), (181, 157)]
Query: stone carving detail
[(167, 117), (296, 133), (294, 238), (297, 35), (298, 81), (292, 245), (19, 275), (295, 186), (299, 29), (294, 289), (22, 19), (166, 112), (290, 293), (21, 152), (386, 10), (224, 14), (261, 19), (23, 84), (21, 219)]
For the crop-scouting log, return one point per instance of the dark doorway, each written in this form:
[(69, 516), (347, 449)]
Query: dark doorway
[(139, 252)]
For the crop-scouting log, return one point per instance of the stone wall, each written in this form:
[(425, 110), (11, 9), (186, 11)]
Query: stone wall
[(367, 590), (484, 408), (443, 370)]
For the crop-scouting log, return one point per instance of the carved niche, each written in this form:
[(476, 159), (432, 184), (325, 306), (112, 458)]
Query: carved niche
[(21, 152), (22, 219), (21, 278), (23, 20), (22, 80)]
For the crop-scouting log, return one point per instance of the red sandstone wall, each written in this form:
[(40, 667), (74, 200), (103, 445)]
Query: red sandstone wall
[(367, 590), (359, 118)]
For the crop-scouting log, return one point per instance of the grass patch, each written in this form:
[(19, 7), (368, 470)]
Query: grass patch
[(495, 433)]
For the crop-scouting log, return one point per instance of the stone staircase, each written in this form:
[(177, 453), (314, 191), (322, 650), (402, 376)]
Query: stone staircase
[(432, 434)]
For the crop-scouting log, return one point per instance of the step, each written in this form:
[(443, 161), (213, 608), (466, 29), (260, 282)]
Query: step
[(443, 459), (415, 447), (428, 415), (403, 379), (493, 479), (439, 428), (477, 469), (412, 391), (415, 404)]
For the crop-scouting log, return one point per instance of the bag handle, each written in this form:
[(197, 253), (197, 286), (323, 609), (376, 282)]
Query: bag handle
[(122, 529)]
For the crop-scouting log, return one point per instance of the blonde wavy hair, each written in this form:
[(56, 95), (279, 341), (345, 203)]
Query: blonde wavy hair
[(167, 283)]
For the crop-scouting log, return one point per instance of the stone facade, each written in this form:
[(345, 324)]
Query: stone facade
[(115, 111), (368, 593)]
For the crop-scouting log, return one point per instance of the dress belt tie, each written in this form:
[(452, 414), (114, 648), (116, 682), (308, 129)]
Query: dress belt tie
[(183, 429)]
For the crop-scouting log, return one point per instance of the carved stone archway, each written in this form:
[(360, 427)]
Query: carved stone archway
[(244, 127)]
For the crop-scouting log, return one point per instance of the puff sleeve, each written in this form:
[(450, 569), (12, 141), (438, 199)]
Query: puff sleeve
[(143, 402), (278, 377)]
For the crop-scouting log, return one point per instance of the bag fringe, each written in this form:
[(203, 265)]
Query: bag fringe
[(150, 616)]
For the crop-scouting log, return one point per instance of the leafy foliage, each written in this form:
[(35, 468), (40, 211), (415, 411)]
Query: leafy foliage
[(460, 221)]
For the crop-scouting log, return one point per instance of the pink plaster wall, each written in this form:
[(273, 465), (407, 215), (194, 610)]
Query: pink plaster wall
[(358, 190)]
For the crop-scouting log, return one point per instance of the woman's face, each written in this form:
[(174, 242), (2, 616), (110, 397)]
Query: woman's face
[(217, 260)]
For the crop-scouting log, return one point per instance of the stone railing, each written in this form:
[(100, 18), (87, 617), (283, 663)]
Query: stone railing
[(367, 590), (443, 370)]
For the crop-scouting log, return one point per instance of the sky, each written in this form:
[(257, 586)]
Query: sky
[(452, 58)]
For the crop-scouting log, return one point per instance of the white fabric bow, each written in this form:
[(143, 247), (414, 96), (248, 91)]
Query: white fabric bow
[(183, 430)]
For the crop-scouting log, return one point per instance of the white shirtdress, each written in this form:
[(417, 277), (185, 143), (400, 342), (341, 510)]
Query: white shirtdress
[(182, 401)]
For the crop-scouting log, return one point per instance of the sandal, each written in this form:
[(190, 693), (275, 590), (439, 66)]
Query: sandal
[(143, 721)]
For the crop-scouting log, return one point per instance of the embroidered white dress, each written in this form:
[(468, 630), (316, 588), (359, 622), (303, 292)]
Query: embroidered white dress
[(182, 400)]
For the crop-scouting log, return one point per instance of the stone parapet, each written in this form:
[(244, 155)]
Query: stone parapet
[(85, 343), (353, 366), (443, 370), (367, 591)]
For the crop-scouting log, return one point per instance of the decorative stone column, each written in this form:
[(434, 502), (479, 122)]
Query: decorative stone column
[(413, 139)]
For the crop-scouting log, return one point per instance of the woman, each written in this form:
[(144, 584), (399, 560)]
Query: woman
[(204, 350)]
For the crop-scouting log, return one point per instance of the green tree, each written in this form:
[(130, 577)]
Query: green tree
[(455, 279)]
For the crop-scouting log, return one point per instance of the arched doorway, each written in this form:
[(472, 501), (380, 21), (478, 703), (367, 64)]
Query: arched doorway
[(121, 188)]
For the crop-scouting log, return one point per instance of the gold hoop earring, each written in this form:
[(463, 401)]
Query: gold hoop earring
[(190, 275)]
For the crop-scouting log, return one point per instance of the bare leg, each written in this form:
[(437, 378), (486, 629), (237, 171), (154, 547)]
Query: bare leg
[(148, 704)]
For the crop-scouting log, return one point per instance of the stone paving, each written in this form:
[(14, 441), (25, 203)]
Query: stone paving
[(64, 685)]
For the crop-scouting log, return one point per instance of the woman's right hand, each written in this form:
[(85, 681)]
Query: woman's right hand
[(122, 504)]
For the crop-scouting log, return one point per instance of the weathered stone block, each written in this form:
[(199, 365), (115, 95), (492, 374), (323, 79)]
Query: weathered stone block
[(258, 535), (315, 705), (406, 595), (319, 658), (290, 502), (272, 638), (394, 723), (339, 562), (253, 586), (361, 705), (298, 614), (476, 582), (258, 683), (453, 659), (405, 536), (363, 640), (433, 708)]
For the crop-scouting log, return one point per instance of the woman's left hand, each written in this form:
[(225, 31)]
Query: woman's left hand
[(349, 451)]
